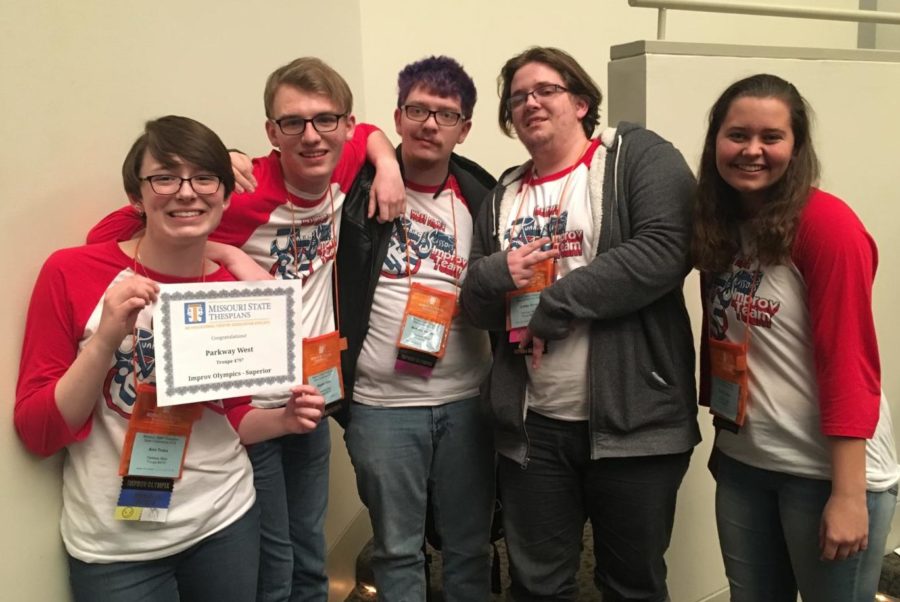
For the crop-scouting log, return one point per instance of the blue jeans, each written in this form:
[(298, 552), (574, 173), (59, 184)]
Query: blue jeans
[(769, 533), (400, 456), (291, 478), (630, 502), (220, 568)]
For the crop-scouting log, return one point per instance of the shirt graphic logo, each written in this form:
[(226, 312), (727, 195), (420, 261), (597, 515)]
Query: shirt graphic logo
[(732, 290), (545, 223), (427, 239), (119, 386), (311, 248)]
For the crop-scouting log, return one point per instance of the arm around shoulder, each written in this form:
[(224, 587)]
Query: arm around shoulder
[(122, 224), (387, 198), (236, 261)]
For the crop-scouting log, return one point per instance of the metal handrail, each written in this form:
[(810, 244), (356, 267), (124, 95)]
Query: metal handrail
[(718, 6)]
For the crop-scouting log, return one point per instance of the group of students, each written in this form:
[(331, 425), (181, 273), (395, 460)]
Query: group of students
[(560, 341)]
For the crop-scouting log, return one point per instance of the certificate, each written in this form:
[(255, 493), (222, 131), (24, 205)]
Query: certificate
[(215, 340)]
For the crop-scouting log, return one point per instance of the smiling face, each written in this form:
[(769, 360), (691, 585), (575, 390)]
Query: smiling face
[(184, 215), (552, 121), (754, 147), (427, 145), (307, 159)]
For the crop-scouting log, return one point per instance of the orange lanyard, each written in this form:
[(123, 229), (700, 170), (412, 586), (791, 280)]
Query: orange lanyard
[(334, 274), (146, 417), (729, 368), (137, 268), (406, 242), (522, 196), (751, 292)]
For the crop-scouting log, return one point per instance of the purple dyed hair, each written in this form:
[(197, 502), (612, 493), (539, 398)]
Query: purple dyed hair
[(440, 75)]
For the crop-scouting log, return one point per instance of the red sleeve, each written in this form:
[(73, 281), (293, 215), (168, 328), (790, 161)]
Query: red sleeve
[(235, 409), (837, 259), (121, 224), (353, 156), (50, 347), (250, 210)]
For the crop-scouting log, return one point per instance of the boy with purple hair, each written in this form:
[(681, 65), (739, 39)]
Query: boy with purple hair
[(417, 434)]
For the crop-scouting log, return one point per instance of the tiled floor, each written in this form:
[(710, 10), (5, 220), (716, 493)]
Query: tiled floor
[(890, 575), (889, 585)]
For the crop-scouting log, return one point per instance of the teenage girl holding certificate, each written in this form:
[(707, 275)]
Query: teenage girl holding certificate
[(158, 503)]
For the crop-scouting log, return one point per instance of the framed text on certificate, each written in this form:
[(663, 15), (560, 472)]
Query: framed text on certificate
[(217, 340)]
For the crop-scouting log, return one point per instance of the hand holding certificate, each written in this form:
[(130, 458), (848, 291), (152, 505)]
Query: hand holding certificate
[(303, 410), (226, 339)]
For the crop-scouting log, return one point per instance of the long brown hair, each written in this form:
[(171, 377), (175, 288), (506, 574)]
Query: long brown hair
[(717, 208)]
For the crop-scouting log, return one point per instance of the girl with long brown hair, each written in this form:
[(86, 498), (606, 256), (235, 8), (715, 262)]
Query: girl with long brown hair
[(805, 464)]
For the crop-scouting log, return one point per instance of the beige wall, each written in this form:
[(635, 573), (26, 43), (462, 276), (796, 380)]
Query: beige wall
[(887, 37), (79, 78), (483, 35)]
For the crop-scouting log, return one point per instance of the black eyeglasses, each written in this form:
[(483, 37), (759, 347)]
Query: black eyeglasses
[(542, 92), (421, 114), (293, 125), (169, 184)]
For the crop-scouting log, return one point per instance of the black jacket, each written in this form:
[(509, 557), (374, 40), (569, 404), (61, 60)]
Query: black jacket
[(362, 249)]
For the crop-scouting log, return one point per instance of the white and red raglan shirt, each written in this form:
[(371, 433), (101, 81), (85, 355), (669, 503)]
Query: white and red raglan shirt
[(439, 230), (813, 355), (216, 487), (559, 206), (287, 232)]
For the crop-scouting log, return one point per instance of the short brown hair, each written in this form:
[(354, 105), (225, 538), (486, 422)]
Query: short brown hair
[(171, 139), (576, 79), (312, 75)]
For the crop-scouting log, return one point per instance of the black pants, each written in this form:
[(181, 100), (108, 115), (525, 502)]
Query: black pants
[(630, 502)]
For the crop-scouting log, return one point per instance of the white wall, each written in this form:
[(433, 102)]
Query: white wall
[(79, 78)]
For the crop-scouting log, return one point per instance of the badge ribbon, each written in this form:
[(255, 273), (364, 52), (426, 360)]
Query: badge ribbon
[(153, 456)]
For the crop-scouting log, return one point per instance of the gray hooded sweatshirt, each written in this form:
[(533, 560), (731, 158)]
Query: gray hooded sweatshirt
[(641, 352)]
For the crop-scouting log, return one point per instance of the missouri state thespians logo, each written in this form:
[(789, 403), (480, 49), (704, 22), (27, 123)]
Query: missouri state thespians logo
[(195, 312)]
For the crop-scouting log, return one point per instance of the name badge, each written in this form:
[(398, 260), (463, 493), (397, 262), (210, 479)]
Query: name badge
[(153, 456), (523, 302), (729, 380), (424, 329), (322, 365)]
